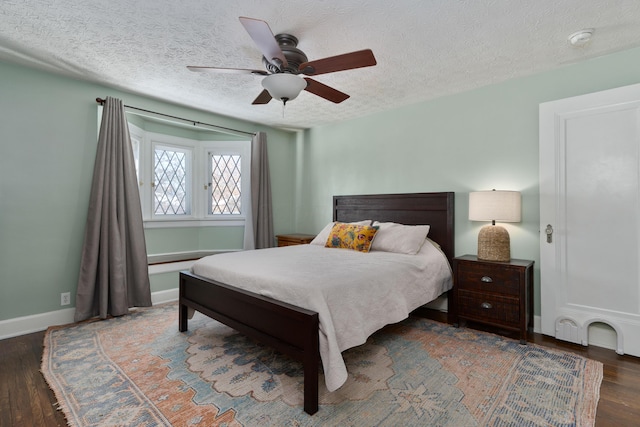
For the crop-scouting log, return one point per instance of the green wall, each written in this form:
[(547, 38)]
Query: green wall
[(48, 137), (477, 140), (481, 139), (182, 239)]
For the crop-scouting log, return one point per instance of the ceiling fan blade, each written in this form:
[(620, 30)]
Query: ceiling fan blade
[(347, 61), (263, 98), (199, 69), (324, 91), (263, 37)]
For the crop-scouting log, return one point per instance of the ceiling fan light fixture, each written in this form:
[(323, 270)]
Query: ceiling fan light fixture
[(283, 86)]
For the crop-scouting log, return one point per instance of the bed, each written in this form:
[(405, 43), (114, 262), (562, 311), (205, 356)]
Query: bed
[(291, 329)]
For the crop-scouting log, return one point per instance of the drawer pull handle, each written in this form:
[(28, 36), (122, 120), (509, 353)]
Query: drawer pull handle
[(486, 279), (486, 305)]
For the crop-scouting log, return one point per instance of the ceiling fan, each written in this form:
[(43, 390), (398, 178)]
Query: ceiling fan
[(284, 61)]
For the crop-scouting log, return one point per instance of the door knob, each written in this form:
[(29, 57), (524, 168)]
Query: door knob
[(549, 232)]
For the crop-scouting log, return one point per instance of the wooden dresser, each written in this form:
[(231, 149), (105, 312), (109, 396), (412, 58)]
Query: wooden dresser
[(294, 239), (499, 294)]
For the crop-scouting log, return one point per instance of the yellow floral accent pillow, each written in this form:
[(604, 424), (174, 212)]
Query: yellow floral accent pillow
[(351, 236)]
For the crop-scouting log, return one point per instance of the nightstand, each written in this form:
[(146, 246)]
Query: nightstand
[(294, 239), (499, 294)]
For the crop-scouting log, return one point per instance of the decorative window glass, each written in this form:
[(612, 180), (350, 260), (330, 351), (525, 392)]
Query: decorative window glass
[(225, 184), (171, 183)]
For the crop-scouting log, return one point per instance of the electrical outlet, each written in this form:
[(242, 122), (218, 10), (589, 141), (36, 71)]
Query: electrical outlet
[(65, 298)]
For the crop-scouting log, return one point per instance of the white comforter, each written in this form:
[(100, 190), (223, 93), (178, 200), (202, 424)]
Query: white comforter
[(354, 293)]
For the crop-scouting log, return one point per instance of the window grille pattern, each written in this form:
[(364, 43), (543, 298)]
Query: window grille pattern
[(225, 184), (170, 178)]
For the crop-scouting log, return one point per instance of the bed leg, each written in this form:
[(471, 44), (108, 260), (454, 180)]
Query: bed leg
[(311, 373), (311, 364), (183, 317)]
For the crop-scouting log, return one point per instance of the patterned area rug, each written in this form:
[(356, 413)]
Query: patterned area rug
[(139, 370)]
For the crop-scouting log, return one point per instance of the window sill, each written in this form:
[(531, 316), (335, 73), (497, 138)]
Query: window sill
[(173, 257), (178, 261), (193, 222)]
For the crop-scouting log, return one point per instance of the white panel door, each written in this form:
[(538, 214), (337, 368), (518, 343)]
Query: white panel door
[(590, 204)]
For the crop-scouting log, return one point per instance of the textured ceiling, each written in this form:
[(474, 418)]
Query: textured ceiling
[(424, 48)]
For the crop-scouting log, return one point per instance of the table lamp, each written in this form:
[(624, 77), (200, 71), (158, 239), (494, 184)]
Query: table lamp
[(501, 206)]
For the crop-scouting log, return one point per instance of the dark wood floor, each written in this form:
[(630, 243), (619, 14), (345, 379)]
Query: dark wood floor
[(25, 397), (619, 403), (26, 400)]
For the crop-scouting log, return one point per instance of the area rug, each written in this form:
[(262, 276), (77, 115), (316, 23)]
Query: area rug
[(139, 370)]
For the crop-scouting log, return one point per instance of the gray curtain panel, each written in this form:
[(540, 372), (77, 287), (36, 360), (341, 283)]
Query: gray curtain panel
[(113, 272), (262, 216)]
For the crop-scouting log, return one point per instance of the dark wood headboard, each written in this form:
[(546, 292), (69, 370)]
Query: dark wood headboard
[(434, 209)]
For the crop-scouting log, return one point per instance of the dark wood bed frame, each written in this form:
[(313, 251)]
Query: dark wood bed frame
[(293, 330)]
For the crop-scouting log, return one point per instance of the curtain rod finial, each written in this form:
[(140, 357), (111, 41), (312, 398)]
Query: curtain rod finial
[(100, 101)]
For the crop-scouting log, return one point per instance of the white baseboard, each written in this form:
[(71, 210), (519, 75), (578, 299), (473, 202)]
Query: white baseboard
[(599, 336), (39, 322), (440, 303), (537, 325), (160, 297)]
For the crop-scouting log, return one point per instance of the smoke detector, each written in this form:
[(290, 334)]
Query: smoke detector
[(581, 38)]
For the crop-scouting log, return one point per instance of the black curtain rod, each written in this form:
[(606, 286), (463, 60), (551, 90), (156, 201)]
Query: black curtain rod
[(101, 102)]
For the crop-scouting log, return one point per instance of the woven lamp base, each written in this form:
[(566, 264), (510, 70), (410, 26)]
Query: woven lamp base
[(494, 244)]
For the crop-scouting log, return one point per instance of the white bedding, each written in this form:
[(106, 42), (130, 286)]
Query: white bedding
[(354, 293)]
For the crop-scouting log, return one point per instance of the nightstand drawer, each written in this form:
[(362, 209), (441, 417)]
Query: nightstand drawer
[(487, 278), (501, 309)]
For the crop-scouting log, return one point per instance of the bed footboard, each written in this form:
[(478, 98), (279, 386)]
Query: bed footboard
[(289, 329)]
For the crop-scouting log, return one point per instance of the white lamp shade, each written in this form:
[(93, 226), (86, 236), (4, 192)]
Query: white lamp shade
[(283, 86), (502, 206)]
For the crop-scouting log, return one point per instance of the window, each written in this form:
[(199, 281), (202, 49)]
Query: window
[(186, 182), (225, 184), (171, 176)]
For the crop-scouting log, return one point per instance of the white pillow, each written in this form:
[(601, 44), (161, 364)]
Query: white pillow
[(399, 238), (323, 235)]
